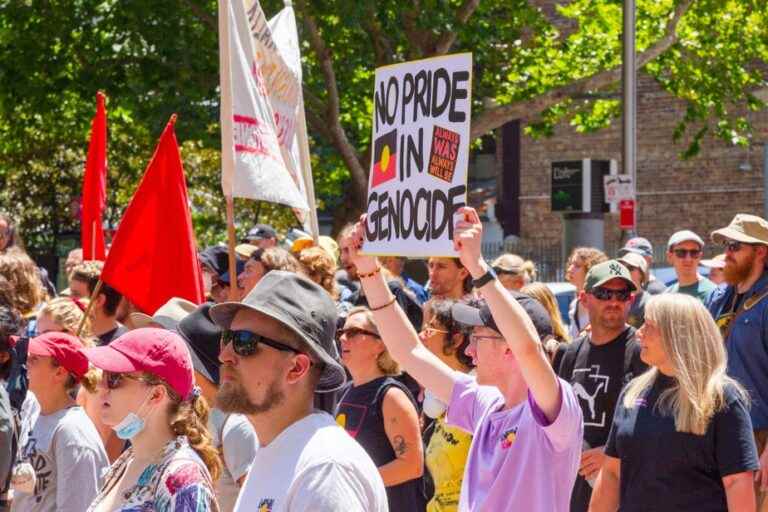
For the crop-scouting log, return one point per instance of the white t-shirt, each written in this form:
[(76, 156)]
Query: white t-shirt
[(69, 460), (233, 434), (313, 465)]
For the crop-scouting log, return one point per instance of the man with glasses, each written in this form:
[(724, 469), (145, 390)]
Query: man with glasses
[(278, 349), (599, 363), (741, 311), (684, 251)]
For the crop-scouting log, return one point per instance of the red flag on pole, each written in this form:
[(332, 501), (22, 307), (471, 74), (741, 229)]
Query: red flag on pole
[(153, 256), (95, 186)]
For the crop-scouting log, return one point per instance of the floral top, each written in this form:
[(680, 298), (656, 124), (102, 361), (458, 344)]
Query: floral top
[(178, 483)]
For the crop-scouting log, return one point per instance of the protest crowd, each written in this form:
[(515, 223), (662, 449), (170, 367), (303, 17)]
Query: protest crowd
[(326, 379)]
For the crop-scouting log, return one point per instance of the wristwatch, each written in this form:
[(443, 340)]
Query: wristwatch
[(484, 279)]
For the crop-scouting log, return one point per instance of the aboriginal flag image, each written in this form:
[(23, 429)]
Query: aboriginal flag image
[(384, 159)]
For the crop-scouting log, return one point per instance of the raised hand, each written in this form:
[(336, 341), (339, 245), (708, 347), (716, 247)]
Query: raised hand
[(354, 244), (467, 240)]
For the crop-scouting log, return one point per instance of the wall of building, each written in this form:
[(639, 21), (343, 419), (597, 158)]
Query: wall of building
[(702, 193)]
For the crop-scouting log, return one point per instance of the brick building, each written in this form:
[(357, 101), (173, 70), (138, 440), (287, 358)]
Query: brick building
[(702, 193)]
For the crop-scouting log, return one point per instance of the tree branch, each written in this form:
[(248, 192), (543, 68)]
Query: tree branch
[(382, 46), (495, 117), (203, 15), (332, 110), (419, 40), (445, 42)]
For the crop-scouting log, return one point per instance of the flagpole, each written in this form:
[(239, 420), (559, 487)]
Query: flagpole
[(88, 309), (227, 147)]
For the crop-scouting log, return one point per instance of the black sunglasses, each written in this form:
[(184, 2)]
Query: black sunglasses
[(351, 332), (683, 253), (245, 343), (601, 293), (734, 246), (114, 380), (499, 271)]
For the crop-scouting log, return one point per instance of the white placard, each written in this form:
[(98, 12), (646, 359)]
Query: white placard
[(420, 152)]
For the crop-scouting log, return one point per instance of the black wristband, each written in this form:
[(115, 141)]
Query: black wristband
[(484, 279)]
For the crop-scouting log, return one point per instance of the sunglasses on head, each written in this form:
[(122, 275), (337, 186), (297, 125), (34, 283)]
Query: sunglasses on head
[(245, 343), (114, 380), (683, 253), (601, 293), (351, 332)]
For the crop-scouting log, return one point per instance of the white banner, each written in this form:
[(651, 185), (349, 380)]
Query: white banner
[(420, 140), (258, 90)]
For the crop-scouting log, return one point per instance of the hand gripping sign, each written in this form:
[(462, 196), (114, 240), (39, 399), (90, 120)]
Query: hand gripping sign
[(418, 175)]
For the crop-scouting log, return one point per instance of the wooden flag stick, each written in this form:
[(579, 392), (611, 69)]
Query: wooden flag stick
[(233, 294), (87, 312)]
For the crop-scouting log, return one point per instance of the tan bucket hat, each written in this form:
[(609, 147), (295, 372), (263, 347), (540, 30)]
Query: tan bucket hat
[(746, 228), (168, 315)]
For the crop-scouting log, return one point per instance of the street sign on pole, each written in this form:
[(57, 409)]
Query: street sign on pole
[(627, 214), (618, 187)]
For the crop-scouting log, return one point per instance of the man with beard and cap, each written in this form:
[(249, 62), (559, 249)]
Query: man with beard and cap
[(232, 434), (278, 349), (599, 363), (741, 311)]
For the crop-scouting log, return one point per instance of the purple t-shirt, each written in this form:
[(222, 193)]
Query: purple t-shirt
[(518, 460)]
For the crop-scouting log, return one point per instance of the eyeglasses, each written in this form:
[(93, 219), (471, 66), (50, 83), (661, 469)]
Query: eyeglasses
[(431, 331), (245, 343), (683, 253), (113, 380), (734, 246), (474, 338), (351, 332), (601, 293)]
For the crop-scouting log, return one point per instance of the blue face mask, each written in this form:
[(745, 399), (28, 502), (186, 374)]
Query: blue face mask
[(131, 425)]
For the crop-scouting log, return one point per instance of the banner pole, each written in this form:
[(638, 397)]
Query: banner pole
[(88, 309), (233, 295)]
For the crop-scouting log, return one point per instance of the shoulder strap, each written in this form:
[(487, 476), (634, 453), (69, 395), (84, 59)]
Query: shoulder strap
[(568, 361), (745, 306)]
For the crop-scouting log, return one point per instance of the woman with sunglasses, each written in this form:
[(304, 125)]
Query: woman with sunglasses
[(448, 446), (63, 459), (681, 437), (148, 397), (380, 413)]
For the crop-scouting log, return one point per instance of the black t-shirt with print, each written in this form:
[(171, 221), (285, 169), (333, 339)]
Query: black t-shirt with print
[(598, 373), (662, 469)]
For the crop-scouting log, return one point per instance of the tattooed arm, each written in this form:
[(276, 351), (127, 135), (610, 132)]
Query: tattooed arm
[(401, 423)]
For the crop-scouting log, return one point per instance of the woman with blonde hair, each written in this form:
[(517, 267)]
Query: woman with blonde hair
[(513, 271), (682, 436), (149, 397), (321, 268), (379, 411), (65, 314), (544, 295), (63, 458)]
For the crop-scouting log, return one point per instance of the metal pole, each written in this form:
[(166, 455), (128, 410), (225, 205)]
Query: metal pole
[(765, 180), (630, 96)]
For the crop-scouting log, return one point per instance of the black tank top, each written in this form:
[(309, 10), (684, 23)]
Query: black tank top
[(360, 413)]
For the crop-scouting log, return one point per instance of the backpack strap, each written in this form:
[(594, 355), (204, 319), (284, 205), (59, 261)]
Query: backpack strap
[(568, 361)]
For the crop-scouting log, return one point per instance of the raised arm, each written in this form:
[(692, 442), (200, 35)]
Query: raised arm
[(511, 318), (396, 330)]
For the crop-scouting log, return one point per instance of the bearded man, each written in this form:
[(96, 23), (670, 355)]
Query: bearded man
[(741, 311)]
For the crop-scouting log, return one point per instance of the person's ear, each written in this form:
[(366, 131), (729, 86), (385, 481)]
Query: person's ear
[(300, 367), (158, 393)]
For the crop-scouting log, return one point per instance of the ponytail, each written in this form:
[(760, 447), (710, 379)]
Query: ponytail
[(189, 418)]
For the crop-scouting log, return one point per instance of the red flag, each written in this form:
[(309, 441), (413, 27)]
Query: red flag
[(95, 186), (153, 256)]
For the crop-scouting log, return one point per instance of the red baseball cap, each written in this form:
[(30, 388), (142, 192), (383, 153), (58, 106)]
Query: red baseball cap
[(66, 349), (157, 351)]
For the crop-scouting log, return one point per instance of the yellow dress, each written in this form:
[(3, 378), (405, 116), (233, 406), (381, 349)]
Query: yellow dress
[(445, 458)]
